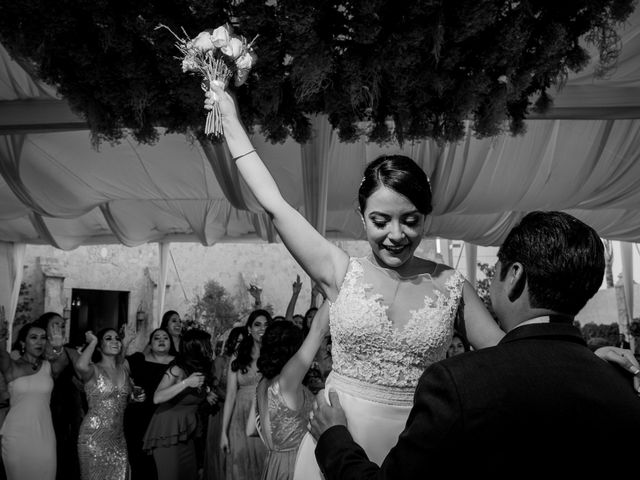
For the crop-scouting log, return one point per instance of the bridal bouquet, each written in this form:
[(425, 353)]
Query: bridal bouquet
[(217, 55)]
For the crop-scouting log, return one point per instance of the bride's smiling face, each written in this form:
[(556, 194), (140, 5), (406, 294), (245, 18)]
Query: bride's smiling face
[(394, 227)]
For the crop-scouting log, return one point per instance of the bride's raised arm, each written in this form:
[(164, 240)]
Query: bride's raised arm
[(322, 260)]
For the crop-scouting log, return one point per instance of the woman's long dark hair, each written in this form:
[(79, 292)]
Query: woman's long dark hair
[(196, 354), (232, 340), (243, 358), (280, 342), (164, 323)]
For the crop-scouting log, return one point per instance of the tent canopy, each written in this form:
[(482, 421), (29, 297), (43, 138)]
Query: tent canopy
[(56, 189)]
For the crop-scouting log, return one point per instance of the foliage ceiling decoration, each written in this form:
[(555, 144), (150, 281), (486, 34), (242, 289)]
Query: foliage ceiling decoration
[(383, 69)]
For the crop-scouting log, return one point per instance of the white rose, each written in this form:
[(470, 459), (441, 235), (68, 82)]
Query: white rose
[(220, 37), (245, 61), (189, 65), (234, 48), (203, 42)]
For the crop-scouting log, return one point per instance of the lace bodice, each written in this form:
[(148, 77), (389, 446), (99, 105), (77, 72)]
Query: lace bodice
[(367, 344)]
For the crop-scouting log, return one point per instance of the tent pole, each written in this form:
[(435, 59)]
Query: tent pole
[(164, 249), (626, 255)]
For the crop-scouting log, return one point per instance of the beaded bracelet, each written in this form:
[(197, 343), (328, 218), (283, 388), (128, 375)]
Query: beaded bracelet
[(243, 155)]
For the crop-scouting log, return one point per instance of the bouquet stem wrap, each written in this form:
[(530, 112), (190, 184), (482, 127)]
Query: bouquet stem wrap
[(219, 75)]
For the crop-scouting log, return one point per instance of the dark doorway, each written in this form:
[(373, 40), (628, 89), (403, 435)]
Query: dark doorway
[(96, 309)]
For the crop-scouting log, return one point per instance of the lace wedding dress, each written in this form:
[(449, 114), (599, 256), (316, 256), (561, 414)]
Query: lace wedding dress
[(386, 329)]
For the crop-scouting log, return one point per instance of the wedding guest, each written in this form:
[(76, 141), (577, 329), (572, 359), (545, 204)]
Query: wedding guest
[(28, 438), (298, 320), (392, 312), (172, 323), (245, 455), (543, 399), (282, 404), (170, 437), (457, 346), (146, 370), (102, 448), (296, 287), (215, 459), (68, 401)]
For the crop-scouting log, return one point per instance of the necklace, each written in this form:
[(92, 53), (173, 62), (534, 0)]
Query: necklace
[(35, 365)]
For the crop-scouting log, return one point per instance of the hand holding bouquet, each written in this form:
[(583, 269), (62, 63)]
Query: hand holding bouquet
[(217, 55)]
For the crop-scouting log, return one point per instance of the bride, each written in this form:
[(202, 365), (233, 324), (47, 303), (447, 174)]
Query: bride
[(392, 313)]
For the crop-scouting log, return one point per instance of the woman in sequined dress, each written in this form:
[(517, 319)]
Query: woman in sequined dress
[(392, 313), (245, 455), (102, 448)]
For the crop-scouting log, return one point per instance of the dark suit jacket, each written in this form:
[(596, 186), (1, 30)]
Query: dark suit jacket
[(538, 404)]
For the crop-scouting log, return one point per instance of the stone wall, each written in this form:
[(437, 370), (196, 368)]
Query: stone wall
[(51, 274)]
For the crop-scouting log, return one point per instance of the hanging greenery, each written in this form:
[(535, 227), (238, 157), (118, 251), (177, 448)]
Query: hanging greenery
[(382, 69)]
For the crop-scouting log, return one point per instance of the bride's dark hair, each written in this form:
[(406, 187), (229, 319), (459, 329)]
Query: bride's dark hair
[(400, 174)]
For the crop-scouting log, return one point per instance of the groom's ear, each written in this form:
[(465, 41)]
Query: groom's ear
[(516, 281)]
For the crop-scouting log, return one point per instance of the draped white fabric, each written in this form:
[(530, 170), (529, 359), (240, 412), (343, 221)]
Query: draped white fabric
[(56, 189), (11, 265)]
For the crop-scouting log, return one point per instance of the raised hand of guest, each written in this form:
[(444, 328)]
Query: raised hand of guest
[(256, 292), (297, 285), (90, 337), (56, 337)]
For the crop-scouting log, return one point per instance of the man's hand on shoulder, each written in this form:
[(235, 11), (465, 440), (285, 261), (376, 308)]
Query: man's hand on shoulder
[(326, 415)]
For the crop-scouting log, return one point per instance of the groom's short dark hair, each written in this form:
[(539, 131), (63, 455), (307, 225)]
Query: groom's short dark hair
[(563, 260)]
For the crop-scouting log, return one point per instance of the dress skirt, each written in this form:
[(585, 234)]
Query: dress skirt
[(376, 416), (247, 454)]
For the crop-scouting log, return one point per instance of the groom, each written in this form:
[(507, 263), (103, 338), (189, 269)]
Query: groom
[(540, 403)]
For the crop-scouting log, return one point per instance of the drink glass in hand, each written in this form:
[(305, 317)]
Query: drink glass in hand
[(138, 393)]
